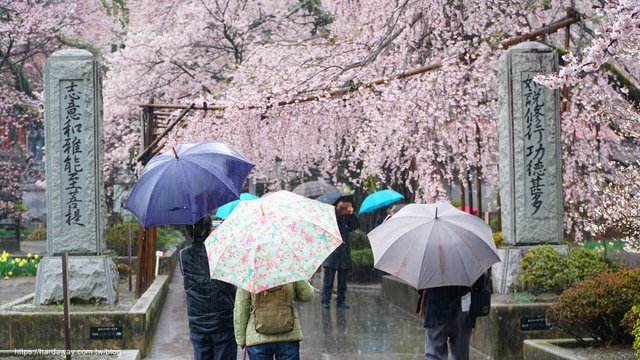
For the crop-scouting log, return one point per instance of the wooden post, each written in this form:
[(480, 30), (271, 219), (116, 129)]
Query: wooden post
[(129, 252), (17, 223), (140, 270), (147, 236)]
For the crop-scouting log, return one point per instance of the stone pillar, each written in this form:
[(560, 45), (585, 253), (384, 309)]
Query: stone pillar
[(75, 189), (530, 159)]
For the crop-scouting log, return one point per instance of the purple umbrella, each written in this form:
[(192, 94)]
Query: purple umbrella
[(185, 183)]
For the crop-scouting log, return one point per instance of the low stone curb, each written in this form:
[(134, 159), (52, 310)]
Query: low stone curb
[(21, 354), (549, 349)]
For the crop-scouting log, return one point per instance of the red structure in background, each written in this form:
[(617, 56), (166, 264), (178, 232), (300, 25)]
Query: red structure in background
[(473, 211)]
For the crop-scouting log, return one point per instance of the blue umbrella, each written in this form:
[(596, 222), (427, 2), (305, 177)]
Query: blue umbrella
[(379, 199), (185, 183), (332, 197), (226, 209)]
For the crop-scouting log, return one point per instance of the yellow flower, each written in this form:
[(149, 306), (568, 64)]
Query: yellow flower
[(21, 264), (10, 273), (35, 256), (29, 255), (6, 278)]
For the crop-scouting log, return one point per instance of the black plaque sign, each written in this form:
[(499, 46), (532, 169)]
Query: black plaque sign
[(536, 323), (106, 332)]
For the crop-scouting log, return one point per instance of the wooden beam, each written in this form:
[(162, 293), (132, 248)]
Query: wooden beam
[(165, 132)]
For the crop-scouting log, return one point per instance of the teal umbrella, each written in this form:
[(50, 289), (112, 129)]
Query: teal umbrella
[(226, 209), (379, 199)]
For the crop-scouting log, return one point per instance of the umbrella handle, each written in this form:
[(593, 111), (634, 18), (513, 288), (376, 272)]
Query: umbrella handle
[(174, 151)]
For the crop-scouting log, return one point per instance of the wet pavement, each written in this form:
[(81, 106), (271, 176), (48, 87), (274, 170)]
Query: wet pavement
[(371, 329)]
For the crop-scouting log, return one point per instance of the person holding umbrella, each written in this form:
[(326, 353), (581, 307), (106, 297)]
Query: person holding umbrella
[(445, 253), (340, 260), (268, 325), (448, 322), (209, 302), (269, 248)]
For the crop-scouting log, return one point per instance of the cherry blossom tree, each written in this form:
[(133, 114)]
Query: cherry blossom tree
[(438, 126), (612, 209), (618, 213), (261, 61)]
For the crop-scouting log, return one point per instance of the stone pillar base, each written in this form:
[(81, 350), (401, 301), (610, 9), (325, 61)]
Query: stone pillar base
[(505, 273), (91, 279)]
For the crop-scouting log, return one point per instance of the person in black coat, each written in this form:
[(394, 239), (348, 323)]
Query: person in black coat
[(449, 317), (209, 302), (340, 260)]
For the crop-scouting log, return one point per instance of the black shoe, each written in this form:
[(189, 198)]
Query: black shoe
[(343, 306), (325, 306)]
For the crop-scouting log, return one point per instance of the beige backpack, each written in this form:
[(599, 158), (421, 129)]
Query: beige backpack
[(273, 310)]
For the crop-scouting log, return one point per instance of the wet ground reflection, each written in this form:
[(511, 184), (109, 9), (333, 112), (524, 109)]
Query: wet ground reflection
[(370, 329)]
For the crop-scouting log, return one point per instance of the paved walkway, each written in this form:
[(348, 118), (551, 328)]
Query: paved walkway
[(371, 329)]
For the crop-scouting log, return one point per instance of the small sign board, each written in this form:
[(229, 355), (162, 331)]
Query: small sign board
[(535, 323), (106, 332)]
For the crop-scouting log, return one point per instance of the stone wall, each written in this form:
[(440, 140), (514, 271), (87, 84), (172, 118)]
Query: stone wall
[(43, 330)]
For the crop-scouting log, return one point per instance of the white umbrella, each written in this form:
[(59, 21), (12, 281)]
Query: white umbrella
[(433, 245)]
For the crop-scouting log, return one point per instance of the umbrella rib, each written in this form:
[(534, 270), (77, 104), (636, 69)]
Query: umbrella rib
[(454, 230)]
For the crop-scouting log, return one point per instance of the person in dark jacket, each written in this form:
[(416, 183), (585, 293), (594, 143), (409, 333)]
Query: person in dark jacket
[(209, 302), (340, 260), (449, 317)]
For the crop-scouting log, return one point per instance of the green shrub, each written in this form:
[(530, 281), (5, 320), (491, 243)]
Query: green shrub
[(362, 257), (596, 307), (631, 321), (39, 233), (493, 222), (117, 238), (584, 263), (168, 236), (497, 238), (358, 240), (544, 269)]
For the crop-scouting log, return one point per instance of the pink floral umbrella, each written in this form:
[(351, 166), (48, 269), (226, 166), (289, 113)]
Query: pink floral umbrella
[(272, 241)]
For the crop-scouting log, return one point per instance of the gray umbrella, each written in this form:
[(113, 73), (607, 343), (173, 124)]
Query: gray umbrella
[(433, 245), (314, 189)]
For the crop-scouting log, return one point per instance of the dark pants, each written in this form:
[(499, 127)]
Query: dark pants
[(216, 346), (451, 337), (327, 285), (289, 350)]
